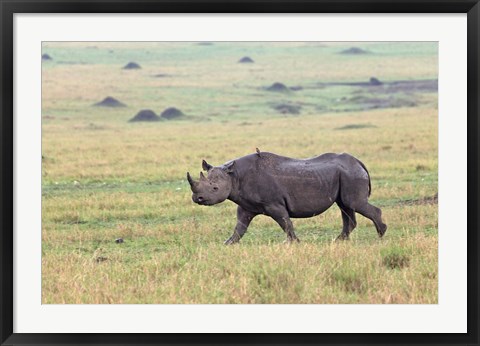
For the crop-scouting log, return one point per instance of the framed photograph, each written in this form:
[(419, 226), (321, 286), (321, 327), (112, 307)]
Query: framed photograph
[(239, 173)]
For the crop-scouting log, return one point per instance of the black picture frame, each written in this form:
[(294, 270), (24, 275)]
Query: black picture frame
[(9, 7)]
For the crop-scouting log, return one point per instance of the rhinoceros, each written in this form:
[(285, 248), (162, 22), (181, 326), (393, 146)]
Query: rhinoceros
[(284, 188)]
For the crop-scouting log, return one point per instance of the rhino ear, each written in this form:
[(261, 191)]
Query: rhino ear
[(229, 167), (206, 166)]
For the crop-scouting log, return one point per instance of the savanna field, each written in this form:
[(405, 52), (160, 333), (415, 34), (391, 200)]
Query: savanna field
[(105, 178)]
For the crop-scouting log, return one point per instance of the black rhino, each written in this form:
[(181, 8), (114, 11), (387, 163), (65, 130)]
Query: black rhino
[(284, 188)]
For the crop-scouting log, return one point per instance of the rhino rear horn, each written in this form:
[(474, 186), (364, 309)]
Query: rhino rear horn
[(202, 177), (206, 166)]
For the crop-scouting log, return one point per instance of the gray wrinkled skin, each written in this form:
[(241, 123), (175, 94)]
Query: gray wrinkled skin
[(284, 188)]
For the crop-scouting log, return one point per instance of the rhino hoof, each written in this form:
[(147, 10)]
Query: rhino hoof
[(342, 237), (382, 231), (230, 241)]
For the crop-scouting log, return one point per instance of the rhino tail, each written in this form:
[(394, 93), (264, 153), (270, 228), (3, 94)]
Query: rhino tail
[(368, 174)]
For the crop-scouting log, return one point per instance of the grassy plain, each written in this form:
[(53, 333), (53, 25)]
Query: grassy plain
[(105, 178)]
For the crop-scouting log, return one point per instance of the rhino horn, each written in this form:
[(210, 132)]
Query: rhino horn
[(202, 177), (190, 180)]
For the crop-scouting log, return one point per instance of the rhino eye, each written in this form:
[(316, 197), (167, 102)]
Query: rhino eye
[(215, 188)]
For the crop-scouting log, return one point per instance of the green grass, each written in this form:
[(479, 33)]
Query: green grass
[(104, 178)]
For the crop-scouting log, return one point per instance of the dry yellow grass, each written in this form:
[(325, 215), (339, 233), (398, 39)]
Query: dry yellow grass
[(105, 178)]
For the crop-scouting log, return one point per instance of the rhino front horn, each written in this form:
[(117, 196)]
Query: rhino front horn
[(190, 180)]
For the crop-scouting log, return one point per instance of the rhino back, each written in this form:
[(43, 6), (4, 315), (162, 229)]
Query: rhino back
[(306, 187)]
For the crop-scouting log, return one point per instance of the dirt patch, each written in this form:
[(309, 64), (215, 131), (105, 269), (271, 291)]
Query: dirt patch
[(362, 102), (355, 126), (246, 60), (400, 86), (161, 75), (131, 66), (285, 108), (373, 81), (420, 201), (93, 126), (145, 115), (278, 87), (171, 113), (413, 86), (247, 123), (354, 51), (46, 57), (110, 102)]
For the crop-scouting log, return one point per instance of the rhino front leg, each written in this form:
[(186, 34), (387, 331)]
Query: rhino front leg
[(244, 218), (287, 226)]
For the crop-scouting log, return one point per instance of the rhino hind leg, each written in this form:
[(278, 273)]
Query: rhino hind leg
[(375, 214), (354, 195), (349, 221), (244, 218)]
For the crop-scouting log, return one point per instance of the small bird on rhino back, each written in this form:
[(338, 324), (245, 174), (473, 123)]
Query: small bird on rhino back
[(284, 188)]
